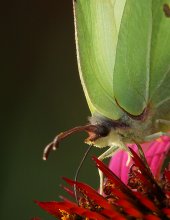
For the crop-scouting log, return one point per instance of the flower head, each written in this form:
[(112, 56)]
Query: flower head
[(155, 153), (145, 197)]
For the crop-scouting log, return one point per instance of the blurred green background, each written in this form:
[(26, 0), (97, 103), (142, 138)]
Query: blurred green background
[(41, 95)]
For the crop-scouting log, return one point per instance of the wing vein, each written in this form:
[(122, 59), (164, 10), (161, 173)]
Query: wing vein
[(163, 101)]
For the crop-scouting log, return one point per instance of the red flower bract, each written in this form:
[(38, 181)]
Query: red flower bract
[(155, 153), (143, 198)]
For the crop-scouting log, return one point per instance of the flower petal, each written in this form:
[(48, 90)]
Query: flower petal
[(155, 153)]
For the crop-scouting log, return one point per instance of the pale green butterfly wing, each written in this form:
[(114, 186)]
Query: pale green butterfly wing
[(132, 65), (142, 68), (160, 60), (96, 35), (123, 53)]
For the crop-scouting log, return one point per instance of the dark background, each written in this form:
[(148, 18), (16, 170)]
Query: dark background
[(41, 95)]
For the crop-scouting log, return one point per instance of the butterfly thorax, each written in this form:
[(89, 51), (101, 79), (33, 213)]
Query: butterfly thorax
[(124, 130)]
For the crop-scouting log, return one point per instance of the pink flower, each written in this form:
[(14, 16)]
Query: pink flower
[(155, 153)]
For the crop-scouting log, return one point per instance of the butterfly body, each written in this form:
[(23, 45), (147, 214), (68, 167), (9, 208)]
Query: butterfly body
[(123, 55)]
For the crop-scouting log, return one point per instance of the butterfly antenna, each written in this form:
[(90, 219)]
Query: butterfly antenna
[(78, 171)]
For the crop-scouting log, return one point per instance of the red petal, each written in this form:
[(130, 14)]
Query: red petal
[(146, 202), (139, 163), (110, 175), (152, 217), (146, 173), (36, 218), (97, 198), (74, 208), (69, 191), (155, 153), (91, 193), (144, 180), (119, 194), (112, 215), (53, 208), (121, 185), (166, 211), (129, 208), (168, 194), (167, 175)]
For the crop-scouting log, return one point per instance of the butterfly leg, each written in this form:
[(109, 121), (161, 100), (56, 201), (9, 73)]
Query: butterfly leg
[(162, 121), (156, 135), (108, 153)]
